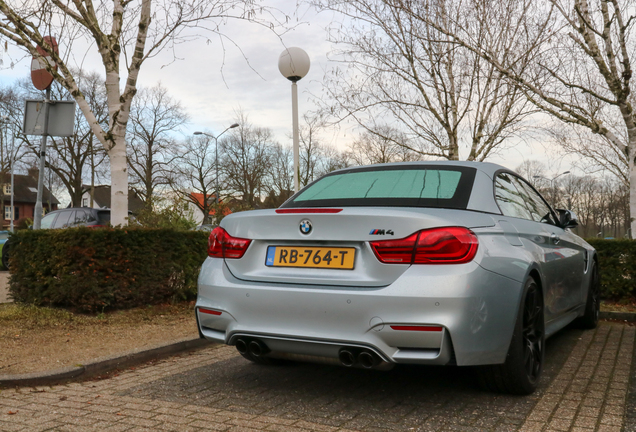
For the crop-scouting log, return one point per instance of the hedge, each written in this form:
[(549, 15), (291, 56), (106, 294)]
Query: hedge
[(617, 264), (93, 270)]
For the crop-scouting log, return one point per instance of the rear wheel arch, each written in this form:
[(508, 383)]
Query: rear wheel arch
[(520, 372)]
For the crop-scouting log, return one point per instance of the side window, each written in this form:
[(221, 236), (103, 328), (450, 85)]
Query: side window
[(47, 220), (90, 217), (509, 199), (80, 217), (539, 209), (63, 218)]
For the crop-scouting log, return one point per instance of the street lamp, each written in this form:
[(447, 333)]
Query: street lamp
[(552, 183), (553, 178), (216, 157), (294, 64)]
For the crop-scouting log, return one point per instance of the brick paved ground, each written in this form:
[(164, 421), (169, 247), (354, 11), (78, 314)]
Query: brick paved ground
[(584, 388)]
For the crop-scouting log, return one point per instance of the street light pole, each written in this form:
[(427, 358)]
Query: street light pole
[(293, 64), (216, 157), (552, 183)]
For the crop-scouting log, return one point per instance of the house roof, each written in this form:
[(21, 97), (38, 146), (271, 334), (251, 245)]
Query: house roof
[(198, 198), (25, 190), (102, 198)]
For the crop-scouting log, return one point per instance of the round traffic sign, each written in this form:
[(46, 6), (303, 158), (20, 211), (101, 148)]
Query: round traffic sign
[(41, 78)]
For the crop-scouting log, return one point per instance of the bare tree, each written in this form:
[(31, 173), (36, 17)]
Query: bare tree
[(370, 148), (399, 71), (281, 176), (580, 54), (154, 116), (125, 34), (71, 158), (533, 171), (245, 161), (196, 173)]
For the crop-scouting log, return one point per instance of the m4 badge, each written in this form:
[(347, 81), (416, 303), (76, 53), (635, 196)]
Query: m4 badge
[(381, 232)]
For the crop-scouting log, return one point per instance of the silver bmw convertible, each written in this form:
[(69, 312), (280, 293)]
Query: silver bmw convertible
[(430, 263)]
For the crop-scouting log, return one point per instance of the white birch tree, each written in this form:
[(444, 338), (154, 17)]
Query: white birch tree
[(579, 55), (125, 33)]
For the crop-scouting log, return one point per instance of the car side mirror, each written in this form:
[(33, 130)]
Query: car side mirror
[(567, 219)]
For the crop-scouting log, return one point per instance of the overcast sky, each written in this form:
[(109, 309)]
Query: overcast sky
[(212, 89)]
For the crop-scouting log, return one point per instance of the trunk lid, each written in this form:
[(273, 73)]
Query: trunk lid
[(352, 227)]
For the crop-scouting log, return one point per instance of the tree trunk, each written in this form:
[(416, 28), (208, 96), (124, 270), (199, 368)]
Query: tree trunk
[(119, 182)]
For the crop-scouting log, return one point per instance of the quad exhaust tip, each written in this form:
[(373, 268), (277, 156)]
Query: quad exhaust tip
[(252, 347), (367, 359), (258, 348), (241, 346), (346, 357)]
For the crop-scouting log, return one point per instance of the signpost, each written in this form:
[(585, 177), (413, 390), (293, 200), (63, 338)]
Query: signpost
[(42, 80)]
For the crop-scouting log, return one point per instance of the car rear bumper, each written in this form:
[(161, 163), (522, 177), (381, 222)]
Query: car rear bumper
[(426, 316)]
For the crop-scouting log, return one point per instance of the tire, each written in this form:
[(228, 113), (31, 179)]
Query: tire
[(589, 320), (521, 371)]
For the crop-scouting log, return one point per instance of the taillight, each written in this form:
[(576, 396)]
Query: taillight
[(223, 245), (448, 245)]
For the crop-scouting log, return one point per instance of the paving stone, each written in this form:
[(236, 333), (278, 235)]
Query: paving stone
[(585, 386)]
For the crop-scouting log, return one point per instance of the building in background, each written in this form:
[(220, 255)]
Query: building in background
[(101, 198), (24, 198), (197, 213)]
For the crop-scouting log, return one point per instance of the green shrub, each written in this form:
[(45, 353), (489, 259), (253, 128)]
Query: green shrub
[(617, 264), (93, 270)]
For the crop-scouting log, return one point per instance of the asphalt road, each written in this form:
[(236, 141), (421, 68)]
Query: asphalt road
[(585, 387)]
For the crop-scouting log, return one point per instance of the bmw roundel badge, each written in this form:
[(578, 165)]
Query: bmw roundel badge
[(305, 226)]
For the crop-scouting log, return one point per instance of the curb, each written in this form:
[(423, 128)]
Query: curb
[(102, 365), (619, 316)]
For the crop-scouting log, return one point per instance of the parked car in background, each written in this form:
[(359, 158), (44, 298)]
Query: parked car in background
[(75, 217), (430, 263), (67, 218), (4, 236)]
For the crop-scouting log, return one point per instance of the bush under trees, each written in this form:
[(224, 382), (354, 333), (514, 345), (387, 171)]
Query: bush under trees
[(617, 264)]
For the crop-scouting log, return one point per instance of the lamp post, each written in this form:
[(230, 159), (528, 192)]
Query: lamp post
[(293, 64), (552, 183), (216, 157)]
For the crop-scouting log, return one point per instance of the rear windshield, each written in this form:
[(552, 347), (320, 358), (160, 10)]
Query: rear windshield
[(394, 186)]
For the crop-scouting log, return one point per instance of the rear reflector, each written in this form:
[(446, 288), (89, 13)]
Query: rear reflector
[(209, 311), (223, 245), (418, 328), (448, 245), (308, 210)]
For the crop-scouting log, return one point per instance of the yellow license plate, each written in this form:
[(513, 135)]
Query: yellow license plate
[(312, 257)]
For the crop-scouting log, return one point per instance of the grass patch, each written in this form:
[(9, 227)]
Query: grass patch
[(29, 316)]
